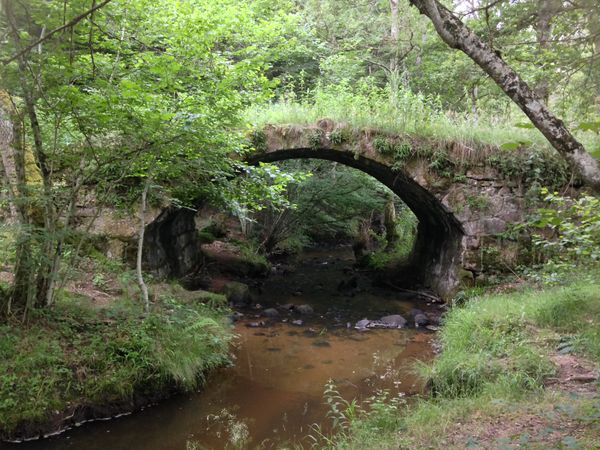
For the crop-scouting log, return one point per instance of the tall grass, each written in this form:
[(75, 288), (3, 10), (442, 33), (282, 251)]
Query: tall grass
[(77, 355), (365, 106), (494, 361)]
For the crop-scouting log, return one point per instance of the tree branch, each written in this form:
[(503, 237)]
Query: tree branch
[(457, 35), (69, 24)]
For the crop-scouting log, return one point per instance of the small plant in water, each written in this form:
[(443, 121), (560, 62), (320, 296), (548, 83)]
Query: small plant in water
[(341, 411), (192, 445), (235, 429)]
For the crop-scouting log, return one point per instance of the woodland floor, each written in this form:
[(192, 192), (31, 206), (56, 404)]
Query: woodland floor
[(548, 424)]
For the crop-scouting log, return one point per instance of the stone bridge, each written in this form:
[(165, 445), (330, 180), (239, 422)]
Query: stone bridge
[(464, 198)]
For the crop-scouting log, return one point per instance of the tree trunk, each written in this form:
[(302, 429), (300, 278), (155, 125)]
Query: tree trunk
[(543, 29), (457, 35), (51, 248), (593, 23), (7, 156), (389, 221), (140, 249), (13, 156)]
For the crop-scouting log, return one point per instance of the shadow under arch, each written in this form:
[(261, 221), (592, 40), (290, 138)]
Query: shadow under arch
[(436, 252)]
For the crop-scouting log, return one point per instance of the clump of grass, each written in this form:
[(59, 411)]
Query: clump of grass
[(76, 354), (490, 338), (340, 136), (494, 360)]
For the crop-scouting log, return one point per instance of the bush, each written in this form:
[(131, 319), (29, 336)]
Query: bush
[(568, 230)]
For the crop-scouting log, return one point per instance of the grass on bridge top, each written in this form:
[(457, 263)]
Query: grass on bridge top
[(410, 114)]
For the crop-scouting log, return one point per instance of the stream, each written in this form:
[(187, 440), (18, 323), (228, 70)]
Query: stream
[(273, 394)]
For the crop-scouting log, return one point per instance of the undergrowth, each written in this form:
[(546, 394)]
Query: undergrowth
[(76, 355), (494, 362)]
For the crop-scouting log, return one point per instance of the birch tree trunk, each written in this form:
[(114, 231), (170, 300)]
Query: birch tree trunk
[(7, 155), (13, 156), (140, 249), (457, 35)]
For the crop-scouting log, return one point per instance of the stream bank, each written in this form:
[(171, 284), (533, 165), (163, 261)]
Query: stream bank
[(86, 360), (274, 391), (518, 369)]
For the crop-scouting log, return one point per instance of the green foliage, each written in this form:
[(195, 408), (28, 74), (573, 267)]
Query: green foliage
[(315, 139), (533, 166), (259, 140), (403, 151), (253, 257), (326, 207), (383, 146), (340, 136), (567, 231), (441, 163), (141, 92), (77, 355)]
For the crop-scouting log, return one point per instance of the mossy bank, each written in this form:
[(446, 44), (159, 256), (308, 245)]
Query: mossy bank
[(79, 361)]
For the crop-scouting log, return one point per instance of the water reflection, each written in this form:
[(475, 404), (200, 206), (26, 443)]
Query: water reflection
[(274, 392)]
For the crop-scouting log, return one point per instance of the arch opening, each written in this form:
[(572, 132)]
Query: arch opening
[(435, 257)]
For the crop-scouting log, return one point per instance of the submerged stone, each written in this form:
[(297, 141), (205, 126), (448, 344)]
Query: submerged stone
[(304, 309), (393, 321), (362, 324), (421, 320), (271, 312)]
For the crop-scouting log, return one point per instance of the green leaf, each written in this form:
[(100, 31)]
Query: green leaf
[(526, 125), (590, 126), (510, 146)]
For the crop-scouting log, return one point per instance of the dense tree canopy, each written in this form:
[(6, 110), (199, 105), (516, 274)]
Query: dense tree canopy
[(106, 98)]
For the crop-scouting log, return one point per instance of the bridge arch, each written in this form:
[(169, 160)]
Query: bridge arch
[(464, 200), (436, 252)]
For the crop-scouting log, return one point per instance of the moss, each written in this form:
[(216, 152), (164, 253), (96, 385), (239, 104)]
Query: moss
[(478, 203), (205, 236)]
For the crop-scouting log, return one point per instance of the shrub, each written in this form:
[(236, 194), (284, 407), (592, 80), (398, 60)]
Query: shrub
[(568, 230)]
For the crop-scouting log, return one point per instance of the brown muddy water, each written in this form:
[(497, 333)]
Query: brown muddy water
[(273, 394)]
